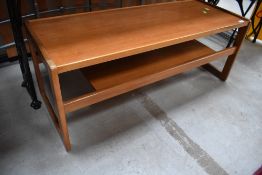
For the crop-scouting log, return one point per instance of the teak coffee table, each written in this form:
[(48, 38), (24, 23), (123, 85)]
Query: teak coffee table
[(124, 49)]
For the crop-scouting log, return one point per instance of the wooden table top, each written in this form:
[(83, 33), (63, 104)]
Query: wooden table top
[(74, 41)]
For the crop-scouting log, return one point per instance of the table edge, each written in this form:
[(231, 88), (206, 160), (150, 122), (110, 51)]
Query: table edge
[(124, 53)]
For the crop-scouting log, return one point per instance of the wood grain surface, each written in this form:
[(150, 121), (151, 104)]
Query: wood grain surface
[(80, 40), (120, 76), (113, 73)]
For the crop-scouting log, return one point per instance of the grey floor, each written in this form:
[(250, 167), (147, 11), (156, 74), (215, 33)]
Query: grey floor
[(189, 124)]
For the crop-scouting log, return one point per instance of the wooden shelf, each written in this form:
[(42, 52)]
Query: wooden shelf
[(113, 73), (119, 76)]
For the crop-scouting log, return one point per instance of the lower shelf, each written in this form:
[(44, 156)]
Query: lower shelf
[(117, 72), (120, 76)]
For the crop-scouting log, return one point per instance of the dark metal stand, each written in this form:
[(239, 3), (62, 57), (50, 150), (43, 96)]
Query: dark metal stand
[(214, 2), (14, 10), (243, 13)]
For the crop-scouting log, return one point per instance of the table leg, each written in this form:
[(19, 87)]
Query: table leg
[(41, 86), (60, 121), (223, 75), (55, 84)]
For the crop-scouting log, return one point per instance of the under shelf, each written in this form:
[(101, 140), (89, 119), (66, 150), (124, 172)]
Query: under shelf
[(113, 73), (116, 77)]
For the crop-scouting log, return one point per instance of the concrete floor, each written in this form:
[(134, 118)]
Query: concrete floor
[(189, 124)]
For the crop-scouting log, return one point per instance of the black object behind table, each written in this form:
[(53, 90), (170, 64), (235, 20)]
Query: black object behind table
[(14, 10)]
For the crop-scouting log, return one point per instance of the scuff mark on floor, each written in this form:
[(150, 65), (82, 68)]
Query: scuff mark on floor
[(194, 150)]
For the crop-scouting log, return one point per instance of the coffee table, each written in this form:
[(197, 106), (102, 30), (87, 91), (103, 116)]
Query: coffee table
[(124, 49)]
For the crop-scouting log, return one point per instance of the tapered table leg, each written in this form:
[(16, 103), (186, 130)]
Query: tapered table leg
[(54, 78), (223, 75)]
